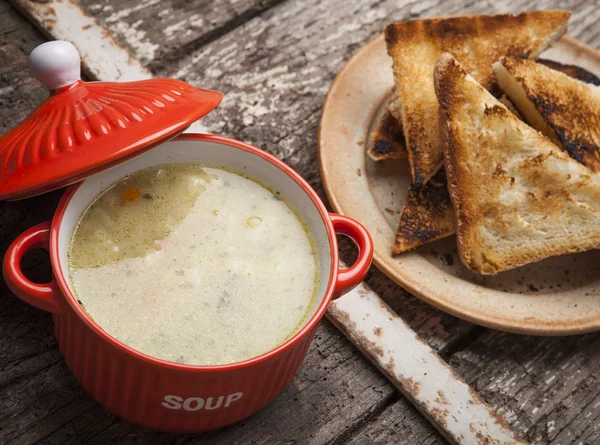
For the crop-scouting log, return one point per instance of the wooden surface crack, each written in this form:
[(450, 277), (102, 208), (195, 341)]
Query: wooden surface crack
[(58, 426), (29, 356), (368, 418), (460, 342), (175, 54)]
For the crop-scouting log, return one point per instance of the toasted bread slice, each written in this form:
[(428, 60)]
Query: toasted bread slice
[(564, 109), (477, 41), (387, 140), (576, 72), (423, 218), (509, 105), (518, 198), (427, 215)]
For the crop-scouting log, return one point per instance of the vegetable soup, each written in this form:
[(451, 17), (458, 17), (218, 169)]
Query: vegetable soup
[(194, 264)]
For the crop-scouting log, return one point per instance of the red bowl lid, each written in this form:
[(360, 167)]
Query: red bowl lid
[(86, 127)]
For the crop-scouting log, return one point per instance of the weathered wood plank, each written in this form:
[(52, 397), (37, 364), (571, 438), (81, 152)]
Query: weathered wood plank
[(156, 31), (275, 71), (458, 413), (546, 388), (19, 90), (275, 77), (30, 401), (27, 344), (103, 58), (275, 100), (41, 401), (390, 427)]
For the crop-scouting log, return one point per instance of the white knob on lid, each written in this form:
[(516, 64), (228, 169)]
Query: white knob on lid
[(55, 64)]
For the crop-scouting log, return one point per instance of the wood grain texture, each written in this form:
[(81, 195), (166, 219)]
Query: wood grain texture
[(274, 89), (389, 427), (41, 401), (102, 56), (421, 375), (275, 70), (546, 388), (157, 31), (19, 90), (27, 345)]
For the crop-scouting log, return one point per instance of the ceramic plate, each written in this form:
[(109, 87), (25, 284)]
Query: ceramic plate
[(557, 296)]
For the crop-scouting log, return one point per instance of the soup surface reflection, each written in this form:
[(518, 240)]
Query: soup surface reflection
[(194, 264)]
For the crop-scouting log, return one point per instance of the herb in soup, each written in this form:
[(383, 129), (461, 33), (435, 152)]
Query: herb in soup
[(194, 264)]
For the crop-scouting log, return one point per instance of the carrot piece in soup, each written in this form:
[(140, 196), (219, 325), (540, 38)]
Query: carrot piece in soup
[(131, 194)]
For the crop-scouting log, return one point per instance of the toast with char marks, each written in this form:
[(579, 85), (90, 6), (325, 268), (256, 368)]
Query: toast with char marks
[(517, 197), (574, 71), (477, 41), (564, 109), (387, 140), (427, 214)]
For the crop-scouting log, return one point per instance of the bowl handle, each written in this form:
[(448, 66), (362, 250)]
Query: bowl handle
[(42, 296), (349, 278)]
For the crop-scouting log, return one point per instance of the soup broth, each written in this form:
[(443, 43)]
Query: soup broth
[(194, 264)]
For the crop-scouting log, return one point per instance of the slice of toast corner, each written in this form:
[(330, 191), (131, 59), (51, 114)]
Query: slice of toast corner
[(563, 108), (427, 215), (387, 140), (574, 71)]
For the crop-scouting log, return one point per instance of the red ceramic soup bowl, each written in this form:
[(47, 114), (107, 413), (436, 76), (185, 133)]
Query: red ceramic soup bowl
[(159, 394)]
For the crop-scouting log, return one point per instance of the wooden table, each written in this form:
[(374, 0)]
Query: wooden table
[(274, 61)]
